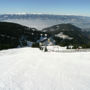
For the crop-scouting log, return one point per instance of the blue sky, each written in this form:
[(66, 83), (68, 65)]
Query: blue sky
[(74, 7)]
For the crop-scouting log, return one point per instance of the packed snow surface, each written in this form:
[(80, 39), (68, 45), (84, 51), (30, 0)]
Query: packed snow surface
[(32, 69)]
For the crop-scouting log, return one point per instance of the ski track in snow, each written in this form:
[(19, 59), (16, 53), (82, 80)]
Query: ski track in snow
[(32, 69)]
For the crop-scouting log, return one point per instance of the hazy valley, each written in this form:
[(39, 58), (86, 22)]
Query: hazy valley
[(46, 20)]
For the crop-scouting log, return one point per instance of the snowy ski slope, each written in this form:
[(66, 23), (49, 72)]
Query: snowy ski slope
[(32, 69)]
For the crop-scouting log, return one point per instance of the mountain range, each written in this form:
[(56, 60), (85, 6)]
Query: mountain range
[(41, 21)]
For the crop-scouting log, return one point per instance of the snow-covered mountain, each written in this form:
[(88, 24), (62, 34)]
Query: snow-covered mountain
[(32, 69), (40, 21)]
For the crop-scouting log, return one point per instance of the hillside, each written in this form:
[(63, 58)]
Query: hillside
[(68, 34), (32, 69), (87, 33), (13, 35)]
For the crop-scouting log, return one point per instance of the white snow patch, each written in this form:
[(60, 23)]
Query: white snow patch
[(56, 48), (61, 35)]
